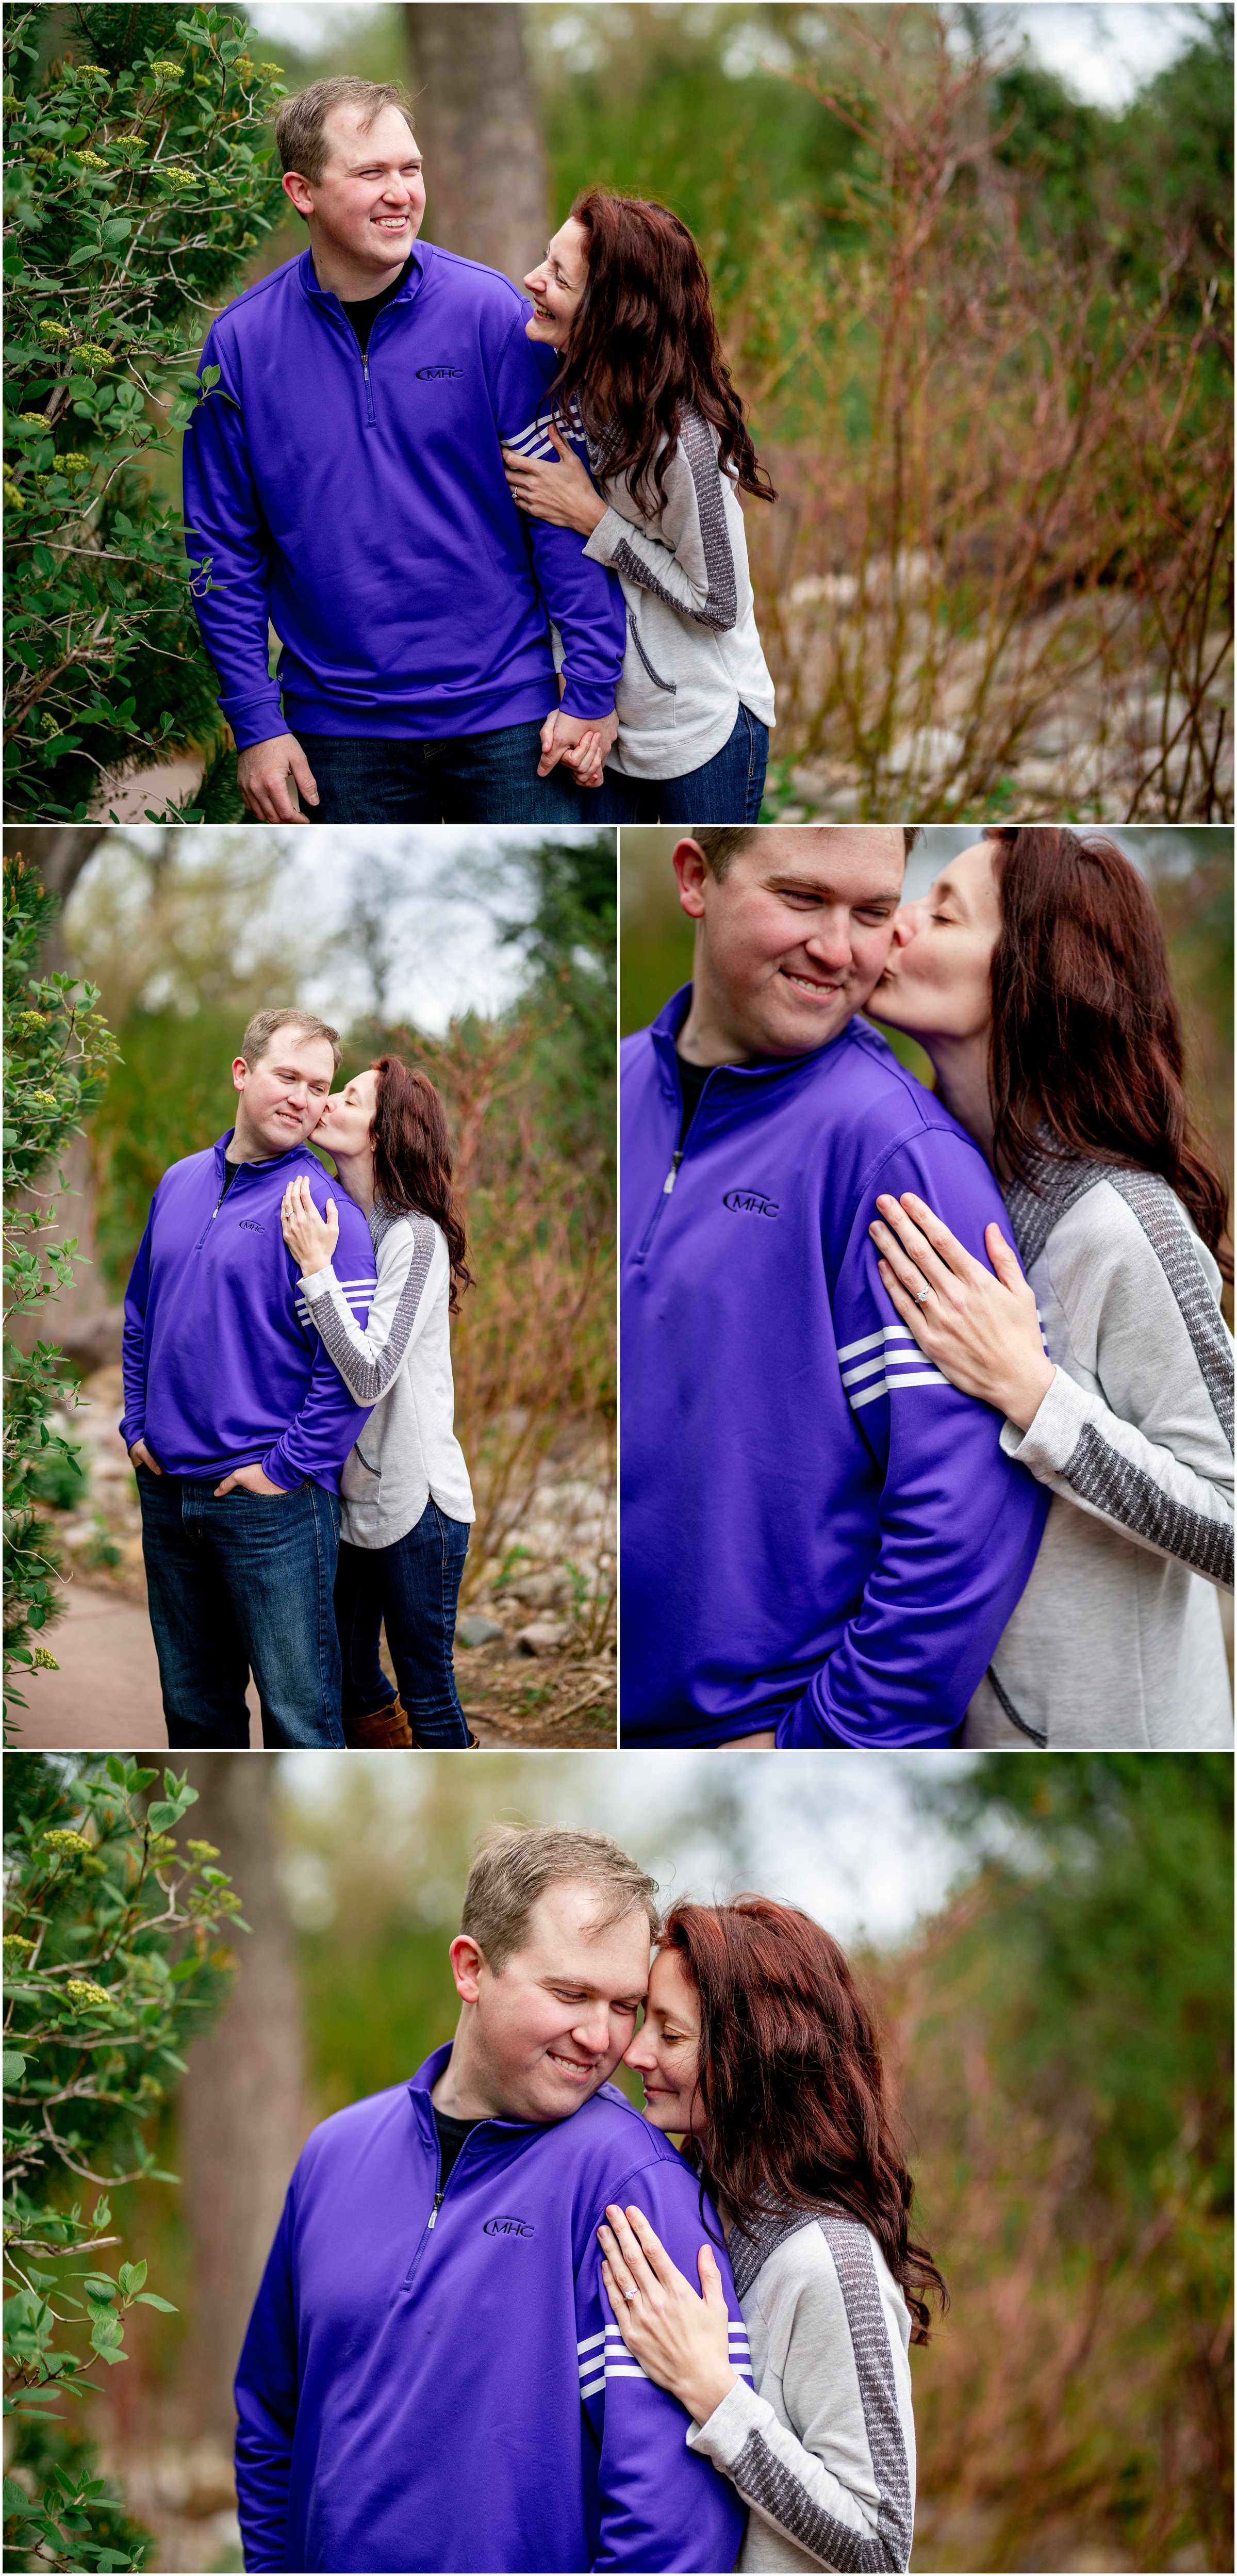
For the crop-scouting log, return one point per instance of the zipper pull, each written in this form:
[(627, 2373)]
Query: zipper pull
[(434, 2211), (668, 1183)]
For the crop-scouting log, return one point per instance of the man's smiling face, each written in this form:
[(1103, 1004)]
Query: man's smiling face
[(553, 2024), (368, 205), (283, 1095), (793, 938)]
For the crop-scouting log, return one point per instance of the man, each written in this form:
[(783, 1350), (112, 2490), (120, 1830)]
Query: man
[(344, 480), (432, 2376), (235, 1419), (821, 1539)]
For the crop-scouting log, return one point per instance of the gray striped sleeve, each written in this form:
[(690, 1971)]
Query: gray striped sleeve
[(368, 1379), (721, 605), (1102, 1475), (769, 2483)]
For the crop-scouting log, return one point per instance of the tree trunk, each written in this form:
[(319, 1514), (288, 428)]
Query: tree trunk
[(243, 2105), (477, 122)]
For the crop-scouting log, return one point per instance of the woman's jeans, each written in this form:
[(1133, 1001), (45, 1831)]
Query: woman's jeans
[(728, 789), (239, 1583), (413, 1589)]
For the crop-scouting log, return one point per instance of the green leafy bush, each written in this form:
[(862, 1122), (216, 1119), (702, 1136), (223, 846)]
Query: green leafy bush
[(113, 1961), (57, 1050), (138, 184)]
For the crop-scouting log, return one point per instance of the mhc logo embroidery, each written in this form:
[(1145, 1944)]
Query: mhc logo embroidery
[(750, 1203), (433, 374), (506, 2227), (249, 1225)]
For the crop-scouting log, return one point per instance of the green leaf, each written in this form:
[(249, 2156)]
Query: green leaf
[(14, 2066), (118, 229), (132, 2277), (164, 1812), (150, 2299)]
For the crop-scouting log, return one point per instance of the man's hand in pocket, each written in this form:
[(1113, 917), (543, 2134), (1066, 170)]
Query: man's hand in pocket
[(253, 1481), (139, 1456)]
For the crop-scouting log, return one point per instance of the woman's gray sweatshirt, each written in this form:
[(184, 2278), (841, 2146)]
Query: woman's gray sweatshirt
[(693, 652), (1117, 1639), (401, 1364), (822, 2445)]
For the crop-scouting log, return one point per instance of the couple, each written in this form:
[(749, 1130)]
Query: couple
[(907, 1461), (479, 2340), (290, 1419), (437, 491)]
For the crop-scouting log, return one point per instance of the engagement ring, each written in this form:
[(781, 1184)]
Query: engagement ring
[(919, 1296)]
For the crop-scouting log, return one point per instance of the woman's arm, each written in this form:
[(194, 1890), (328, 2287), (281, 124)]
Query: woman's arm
[(690, 562), (1149, 1456), (778, 2468), (369, 1362)]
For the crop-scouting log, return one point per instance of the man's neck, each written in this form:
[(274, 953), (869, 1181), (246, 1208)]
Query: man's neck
[(244, 1149), (709, 1037), (461, 2089), (354, 281)]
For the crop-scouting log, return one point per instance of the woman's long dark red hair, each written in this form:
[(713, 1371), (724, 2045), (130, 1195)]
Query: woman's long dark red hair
[(644, 342), (1086, 1034), (412, 1157), (791, 2080)]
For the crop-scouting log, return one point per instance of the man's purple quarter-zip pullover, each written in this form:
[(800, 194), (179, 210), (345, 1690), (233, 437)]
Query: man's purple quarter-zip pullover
[(359, 504), (433, 2379), (222, 1365), (818, 1532)]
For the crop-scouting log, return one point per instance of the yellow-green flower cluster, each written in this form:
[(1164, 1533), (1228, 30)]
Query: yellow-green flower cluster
[(55, 330), (204, 1851), (60, 1839), (165, 71), (85, 1996), (17, 1949), (89, 354), (89, 161)]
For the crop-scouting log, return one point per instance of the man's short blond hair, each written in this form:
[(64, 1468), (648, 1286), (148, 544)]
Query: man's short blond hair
[(722, 842), (300, 134), (516, 1865), (265, 1026)]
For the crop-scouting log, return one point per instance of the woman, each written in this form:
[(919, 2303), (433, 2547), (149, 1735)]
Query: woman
[(1035, 976), (757, 2048), (405, 1496), (623, 295)]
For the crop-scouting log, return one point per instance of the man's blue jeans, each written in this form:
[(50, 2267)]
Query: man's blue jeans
[(473, 778), (236, 1584), (728, 789), (413, 1589)]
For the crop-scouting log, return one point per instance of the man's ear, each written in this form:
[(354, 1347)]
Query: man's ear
[(299, 193), (691, 868), (240, 1072), (467, 1962)]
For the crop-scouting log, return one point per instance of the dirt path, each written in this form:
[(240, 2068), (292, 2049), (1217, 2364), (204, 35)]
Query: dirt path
[(106, 1691)]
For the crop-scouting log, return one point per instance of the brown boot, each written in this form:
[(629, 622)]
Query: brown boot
[(387, 1727)]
